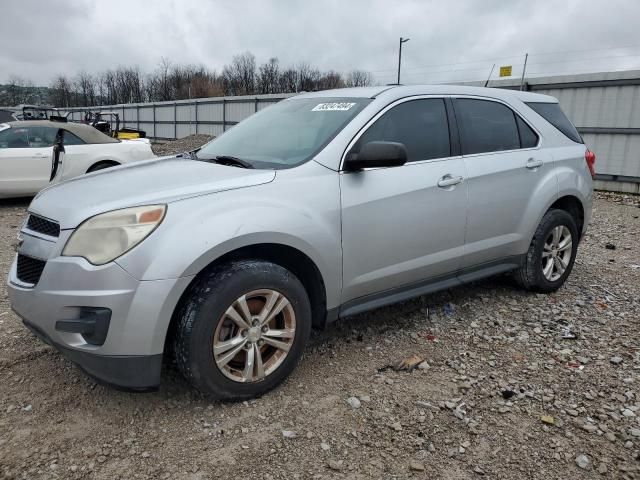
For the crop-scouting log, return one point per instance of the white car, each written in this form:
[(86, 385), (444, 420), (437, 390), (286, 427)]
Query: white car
[(26, 154)]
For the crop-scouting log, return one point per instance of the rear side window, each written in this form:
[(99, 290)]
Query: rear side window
[(553, 114), (71, 139), (528, 138), (421, 125), (486, 126)]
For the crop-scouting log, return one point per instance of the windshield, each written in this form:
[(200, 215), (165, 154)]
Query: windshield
[(286, 134)]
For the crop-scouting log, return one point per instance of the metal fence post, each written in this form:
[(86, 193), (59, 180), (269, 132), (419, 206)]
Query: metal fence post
[(175, 120), (255, 106), (155, 133), (138, 117), (195, 108), (224, 114)]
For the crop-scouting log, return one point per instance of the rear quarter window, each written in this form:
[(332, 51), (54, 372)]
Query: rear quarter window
[(553, 114), (71, 139)]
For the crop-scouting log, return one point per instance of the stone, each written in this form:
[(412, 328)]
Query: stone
[(289, 434), (396, 426), (354, 402), (616, 360), (416, 466), (583, 461)]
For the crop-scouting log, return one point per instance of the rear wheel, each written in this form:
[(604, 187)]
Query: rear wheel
[(242, 329), (552, 253)]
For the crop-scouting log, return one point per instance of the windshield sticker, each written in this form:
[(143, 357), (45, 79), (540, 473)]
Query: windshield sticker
[(332, 107)]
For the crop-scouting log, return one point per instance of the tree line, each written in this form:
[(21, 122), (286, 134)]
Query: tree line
[(243, 76)]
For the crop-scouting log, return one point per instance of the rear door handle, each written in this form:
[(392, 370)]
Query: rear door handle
[(533, 163), (449, 181)]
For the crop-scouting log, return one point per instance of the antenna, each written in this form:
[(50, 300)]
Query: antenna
[(487, 82)]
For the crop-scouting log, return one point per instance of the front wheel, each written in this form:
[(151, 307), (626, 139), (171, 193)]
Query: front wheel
[(242, 329), (552, 253)]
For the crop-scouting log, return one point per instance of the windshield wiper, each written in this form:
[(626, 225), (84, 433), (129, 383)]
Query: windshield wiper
[(231, 161)]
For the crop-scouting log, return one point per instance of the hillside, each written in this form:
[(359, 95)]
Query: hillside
[(12, 95)]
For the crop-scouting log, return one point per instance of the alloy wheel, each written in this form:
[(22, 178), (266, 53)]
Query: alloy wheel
[(556, 253), (254, 335)]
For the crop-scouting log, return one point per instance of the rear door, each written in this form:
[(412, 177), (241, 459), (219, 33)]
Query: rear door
[(505, 166), (404, 225)]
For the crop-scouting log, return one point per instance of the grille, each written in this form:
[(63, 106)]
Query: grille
[(29, 269), (42, 225)]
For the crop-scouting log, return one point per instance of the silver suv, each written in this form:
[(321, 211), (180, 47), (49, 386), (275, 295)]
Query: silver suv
[(322, 206)]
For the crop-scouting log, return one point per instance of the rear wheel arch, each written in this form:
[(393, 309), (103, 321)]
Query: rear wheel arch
[(102, 164), (573, 206)]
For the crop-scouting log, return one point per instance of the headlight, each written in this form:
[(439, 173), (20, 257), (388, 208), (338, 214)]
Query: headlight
[(105, 237)]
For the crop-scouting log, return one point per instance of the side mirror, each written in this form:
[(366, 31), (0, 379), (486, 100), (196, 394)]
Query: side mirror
[(376, 154)]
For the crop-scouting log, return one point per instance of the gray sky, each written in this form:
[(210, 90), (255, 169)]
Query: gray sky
[(450, 40)]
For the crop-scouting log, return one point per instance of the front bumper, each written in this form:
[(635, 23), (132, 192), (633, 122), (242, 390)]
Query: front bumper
[(130, 355), (133, 373)]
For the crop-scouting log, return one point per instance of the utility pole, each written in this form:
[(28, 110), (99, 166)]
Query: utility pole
[(402, 40), (524, 69)]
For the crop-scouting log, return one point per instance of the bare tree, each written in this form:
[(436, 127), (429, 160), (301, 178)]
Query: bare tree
[(175, 82), (330, 80), (359, 78), (85, 90), (60, 93), (240, 77), (268, 77)]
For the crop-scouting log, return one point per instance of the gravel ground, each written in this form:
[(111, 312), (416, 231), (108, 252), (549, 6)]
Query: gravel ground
[(513, 385), (185, 144)]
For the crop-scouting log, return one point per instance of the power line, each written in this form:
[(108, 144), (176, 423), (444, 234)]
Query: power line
[(520, 56)]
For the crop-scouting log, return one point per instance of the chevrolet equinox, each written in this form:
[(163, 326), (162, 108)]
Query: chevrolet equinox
[(324, 205)]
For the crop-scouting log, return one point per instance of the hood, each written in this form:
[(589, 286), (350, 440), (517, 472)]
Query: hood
[(163, 180)]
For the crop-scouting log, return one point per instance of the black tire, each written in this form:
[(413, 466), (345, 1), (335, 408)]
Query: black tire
[(530, 276), (102, 166), (203, 309)]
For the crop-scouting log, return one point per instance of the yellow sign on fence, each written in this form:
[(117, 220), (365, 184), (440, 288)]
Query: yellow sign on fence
[(505, 71)]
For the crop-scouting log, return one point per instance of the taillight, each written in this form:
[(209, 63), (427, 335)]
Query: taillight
[(590, 158)]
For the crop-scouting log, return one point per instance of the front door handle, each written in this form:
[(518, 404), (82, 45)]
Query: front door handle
[(449, 181), (533, 163)]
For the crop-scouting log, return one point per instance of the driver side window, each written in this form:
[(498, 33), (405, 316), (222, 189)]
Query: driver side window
[(41, 137), (421, 125), (14, 138)]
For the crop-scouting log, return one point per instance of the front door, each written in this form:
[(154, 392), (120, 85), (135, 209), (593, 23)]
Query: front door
[(404, 225), (25, 161)]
